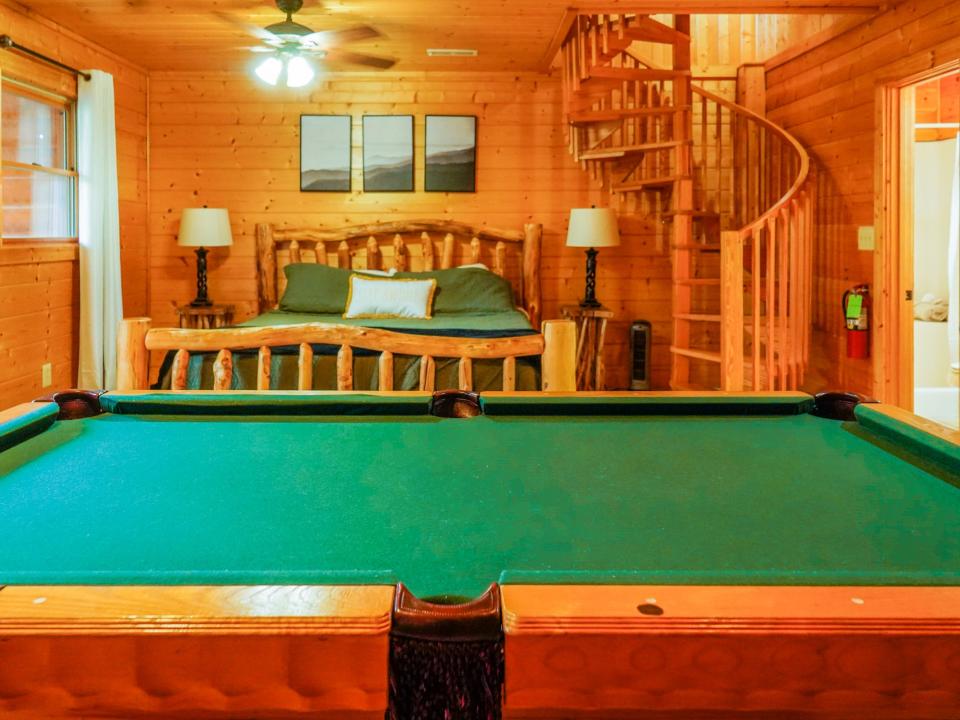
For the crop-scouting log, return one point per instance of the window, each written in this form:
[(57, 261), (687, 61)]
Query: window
[(39, 172)]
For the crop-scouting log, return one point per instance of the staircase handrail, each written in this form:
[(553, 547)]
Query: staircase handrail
[(804, 169)]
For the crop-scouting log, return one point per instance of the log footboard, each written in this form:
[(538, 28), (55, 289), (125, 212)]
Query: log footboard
[(556, 346)]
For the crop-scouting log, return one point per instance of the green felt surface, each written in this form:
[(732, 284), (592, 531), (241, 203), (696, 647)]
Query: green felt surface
[(449, 505)]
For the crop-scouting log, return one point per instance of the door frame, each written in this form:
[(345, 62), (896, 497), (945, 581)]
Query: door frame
[(893, 223)]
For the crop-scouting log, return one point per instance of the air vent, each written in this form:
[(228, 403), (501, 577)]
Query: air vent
[(451, 52)]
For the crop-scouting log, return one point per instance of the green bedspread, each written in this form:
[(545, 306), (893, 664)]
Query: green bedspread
[(487, 374)]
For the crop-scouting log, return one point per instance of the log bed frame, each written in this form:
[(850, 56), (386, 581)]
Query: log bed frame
[(411, 245)]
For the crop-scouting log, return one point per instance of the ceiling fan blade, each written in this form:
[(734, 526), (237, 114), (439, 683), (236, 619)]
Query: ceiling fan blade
[(355, 58), (254, 30), (330, 38)]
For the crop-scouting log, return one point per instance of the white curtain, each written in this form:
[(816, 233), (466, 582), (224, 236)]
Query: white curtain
[(953, 265), (101, 302)]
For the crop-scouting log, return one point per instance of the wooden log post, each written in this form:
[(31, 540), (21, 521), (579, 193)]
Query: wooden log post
[(345, 368), (305, 367), (500, 259), (374, 260), (385, 371), (509, 374), (474, 250), (223, 370), (558, 365), (181, 366), (263, 368), (731, 311), (399, 253), (465, 373), (428, 373), (133, 360), (295, 251), (446, 257), (530, 288), (426, 249), (266, 268), (344, 261)]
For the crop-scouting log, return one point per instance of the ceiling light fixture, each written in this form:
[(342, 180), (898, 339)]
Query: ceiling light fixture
[(297, 70)]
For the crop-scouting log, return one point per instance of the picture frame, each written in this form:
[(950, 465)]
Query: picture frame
[(326, 154), (450, 154), (388, 155)]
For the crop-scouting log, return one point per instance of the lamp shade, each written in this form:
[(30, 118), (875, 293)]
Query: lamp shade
[(593, 227), (205, 227)]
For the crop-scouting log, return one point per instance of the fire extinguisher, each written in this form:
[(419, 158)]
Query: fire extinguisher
[(856, 313)]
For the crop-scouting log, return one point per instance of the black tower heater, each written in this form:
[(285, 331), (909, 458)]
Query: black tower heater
[(640, 339)]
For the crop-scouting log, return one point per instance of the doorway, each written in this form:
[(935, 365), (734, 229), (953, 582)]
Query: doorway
[(918, 263)]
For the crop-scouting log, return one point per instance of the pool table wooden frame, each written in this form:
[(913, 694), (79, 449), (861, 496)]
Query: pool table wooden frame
[(571, 650)]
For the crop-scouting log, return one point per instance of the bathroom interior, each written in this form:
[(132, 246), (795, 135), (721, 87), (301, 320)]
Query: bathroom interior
[(936, 256)]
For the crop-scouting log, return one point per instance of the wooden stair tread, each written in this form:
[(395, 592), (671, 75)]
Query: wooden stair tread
[(693, 213), (707, 355), (647, 182), (697, 317), (699, 281), (618, 152), (619, 74), (585, 117), (707, 247)]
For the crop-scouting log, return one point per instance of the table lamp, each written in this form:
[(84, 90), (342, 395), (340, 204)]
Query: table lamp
[(204, 228), (592, 228)]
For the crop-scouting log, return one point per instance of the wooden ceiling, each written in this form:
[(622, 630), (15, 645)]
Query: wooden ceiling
[(510, 35)]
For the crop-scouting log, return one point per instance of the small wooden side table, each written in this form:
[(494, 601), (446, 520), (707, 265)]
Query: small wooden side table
[(591, 334), (205, 317)]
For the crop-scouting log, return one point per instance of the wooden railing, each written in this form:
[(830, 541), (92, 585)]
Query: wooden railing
[(763, 202), (556, 347)]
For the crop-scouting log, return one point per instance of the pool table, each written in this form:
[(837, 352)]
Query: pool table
[(341, 555)]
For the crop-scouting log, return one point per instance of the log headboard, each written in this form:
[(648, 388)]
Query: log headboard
[(409, 245)]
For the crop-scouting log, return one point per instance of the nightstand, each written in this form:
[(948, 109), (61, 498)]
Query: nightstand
[(591, 333), (205, 317)]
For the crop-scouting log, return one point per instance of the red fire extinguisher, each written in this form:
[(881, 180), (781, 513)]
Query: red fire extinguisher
[(856, 313)]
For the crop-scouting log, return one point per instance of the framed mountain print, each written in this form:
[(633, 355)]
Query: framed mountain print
[(450, 163), (388, 153), (325, 164)]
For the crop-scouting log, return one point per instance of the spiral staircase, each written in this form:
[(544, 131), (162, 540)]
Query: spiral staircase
[(734, 188)]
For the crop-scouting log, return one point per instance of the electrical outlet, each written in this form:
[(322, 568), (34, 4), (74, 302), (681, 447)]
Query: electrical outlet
[(46, 375), (865, 239)]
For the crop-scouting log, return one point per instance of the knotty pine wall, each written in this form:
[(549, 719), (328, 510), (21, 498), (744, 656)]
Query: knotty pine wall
[(826, 98), (39, 307), (225, 140)]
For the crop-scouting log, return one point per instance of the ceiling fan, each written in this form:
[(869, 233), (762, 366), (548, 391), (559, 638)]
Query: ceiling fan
[(290, 43)]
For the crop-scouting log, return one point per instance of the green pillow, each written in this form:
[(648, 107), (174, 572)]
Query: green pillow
[(313, 288), (467, 290)]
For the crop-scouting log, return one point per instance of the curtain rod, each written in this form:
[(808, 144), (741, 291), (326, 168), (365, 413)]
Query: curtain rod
[(7, 43)]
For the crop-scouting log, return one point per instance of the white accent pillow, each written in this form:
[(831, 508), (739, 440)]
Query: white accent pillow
[(390, 298), (478, 266)]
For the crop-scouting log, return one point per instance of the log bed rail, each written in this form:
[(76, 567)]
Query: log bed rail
[(556, 346)]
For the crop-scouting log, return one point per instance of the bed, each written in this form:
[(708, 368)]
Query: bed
[(470, 342)]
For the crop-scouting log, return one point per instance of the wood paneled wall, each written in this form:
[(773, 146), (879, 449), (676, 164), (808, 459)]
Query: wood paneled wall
[(39, 285), (827, 98), (721, 43), (225, 140)]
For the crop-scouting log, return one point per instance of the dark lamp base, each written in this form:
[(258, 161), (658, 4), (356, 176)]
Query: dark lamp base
[(201, 300), (594, 303)]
